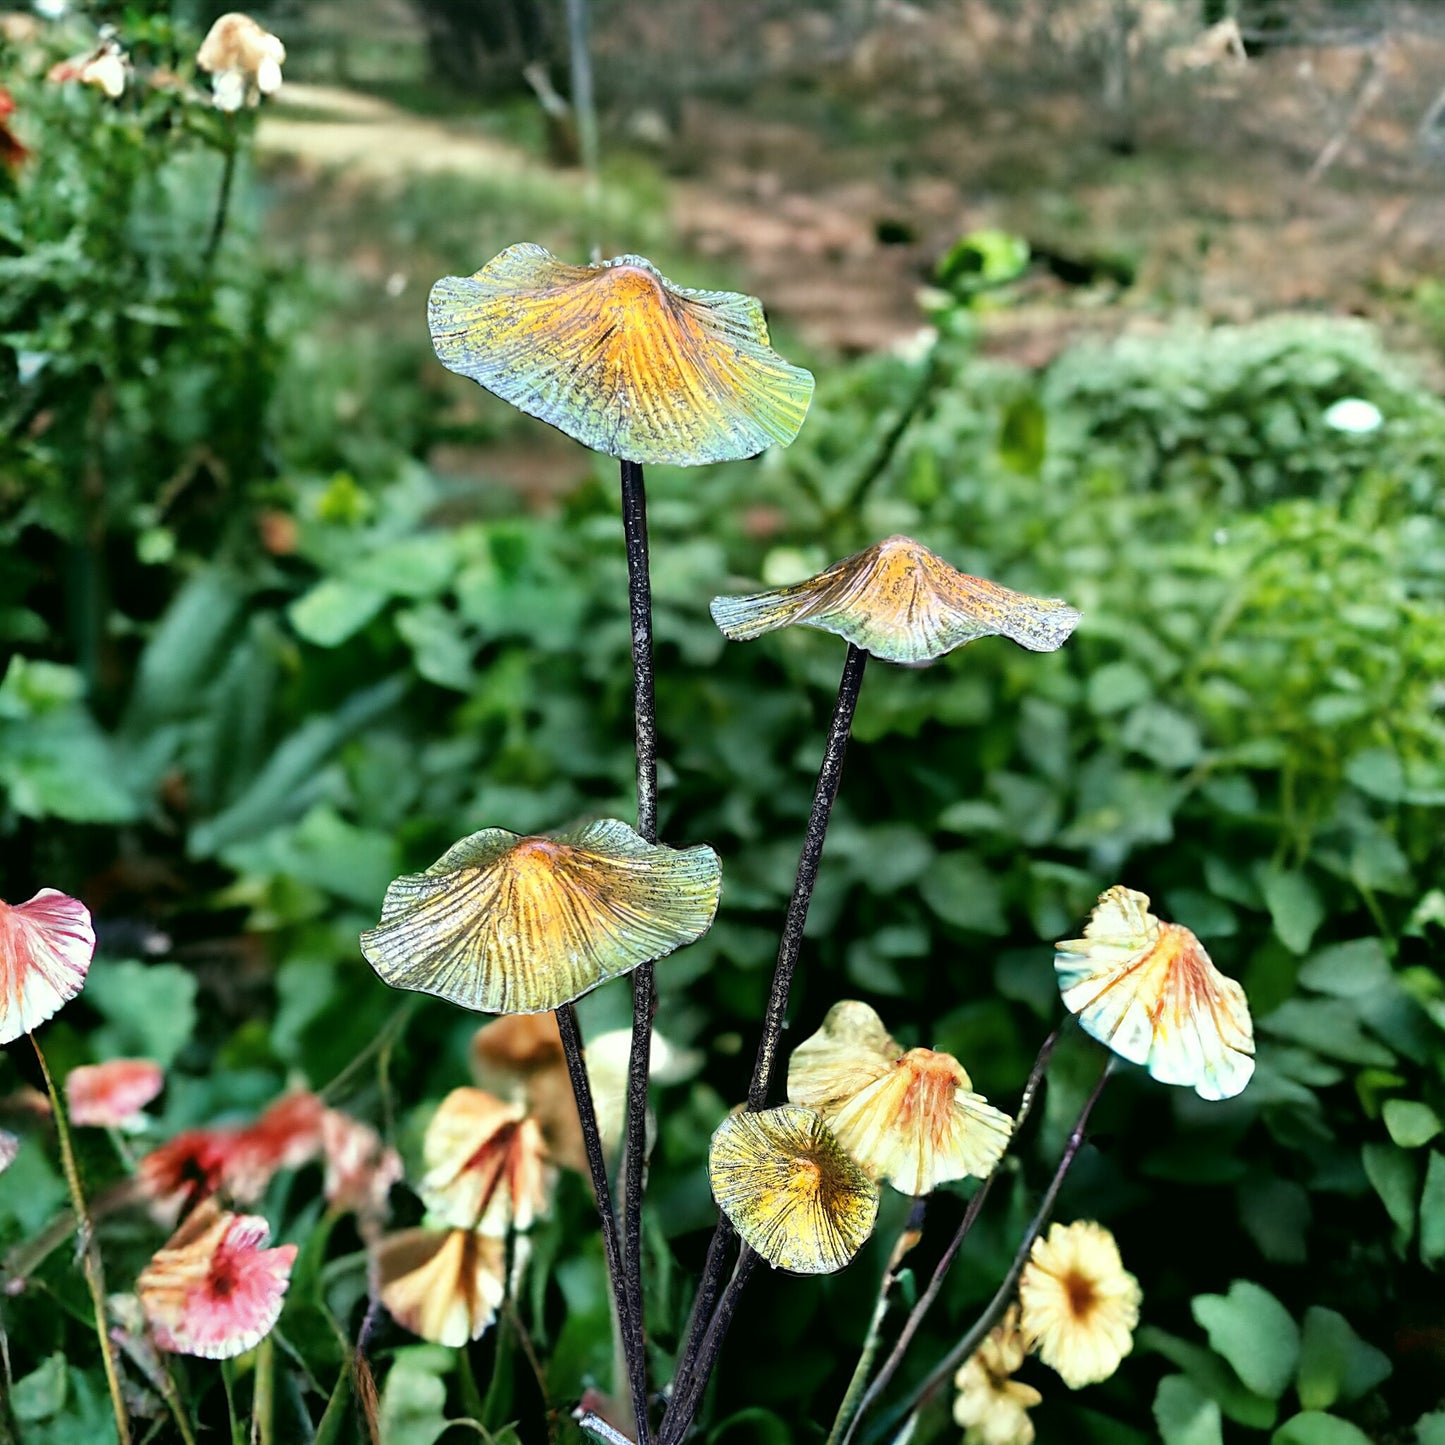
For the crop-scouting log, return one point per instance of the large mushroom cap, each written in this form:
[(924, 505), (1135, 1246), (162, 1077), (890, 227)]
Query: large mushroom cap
[(619, 358), (507, 924), (791, 1190), (903, 603), (1149, 991)]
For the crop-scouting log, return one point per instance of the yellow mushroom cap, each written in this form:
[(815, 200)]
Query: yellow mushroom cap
[(903, 603), (791, 1190), (620, 358), (911, 1117), (1150, 992), (509, 924)]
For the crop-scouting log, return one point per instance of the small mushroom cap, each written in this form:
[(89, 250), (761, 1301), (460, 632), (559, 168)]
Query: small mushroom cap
[(46, 946), (911, 1118), (507, 924), (486, 1166), (619, 358), (1150, 992), (444, 1285), (213, 1289), (236, 42), (520, 1058), (903, 603), (791, 1190), (360, 1167), (113, 1093)]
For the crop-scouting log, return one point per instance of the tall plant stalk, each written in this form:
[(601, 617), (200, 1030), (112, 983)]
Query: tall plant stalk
[(223, 194), (907, 1242), (830, 775), (708, 1325), (630, 1324), (644, 983), (90, 1256)]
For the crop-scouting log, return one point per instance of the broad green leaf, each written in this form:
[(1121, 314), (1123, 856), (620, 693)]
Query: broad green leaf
[(1294, 907), (1185, 1415), (442, 653), (1254, 1332), (64, 767), (1023, 436), (1378, 773), (1116, 686), (185, 650), (1410, 1123), (32, 1190), (1430, 1429), (1329, 1026), (1334, 1362), (334, 610), (1397, 1181), (417, 567), (326, 851), (1164, 735), (414, 1395), (1313, 1428), (149, 1009), (1277, 1214), (33, 687), (961, 891), (1212, 1376), (1347, 970), (41, 1394), (1432, 1211)]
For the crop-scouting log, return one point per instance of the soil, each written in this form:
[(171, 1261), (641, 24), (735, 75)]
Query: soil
[(1293, 180)]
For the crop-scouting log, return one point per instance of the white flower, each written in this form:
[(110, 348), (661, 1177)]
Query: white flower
[(992, 1408), (1079, 1305)]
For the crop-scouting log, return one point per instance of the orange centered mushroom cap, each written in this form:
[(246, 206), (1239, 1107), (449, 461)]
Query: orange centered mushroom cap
[(910, 1118), (791, 1190), (1150, 992), (505, 924), (903, 603), (619, 358)]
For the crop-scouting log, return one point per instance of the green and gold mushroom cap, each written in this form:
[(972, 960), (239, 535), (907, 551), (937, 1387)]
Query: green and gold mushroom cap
[(502, 923), (903, 603), (620, 358), (791, 1190)]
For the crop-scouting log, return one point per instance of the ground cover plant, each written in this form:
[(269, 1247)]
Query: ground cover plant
[(236, 710)]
